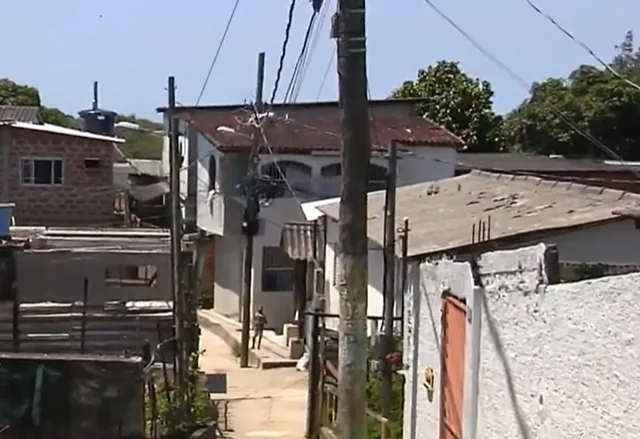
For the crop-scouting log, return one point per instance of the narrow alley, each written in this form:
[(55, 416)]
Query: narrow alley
[(267, 403)]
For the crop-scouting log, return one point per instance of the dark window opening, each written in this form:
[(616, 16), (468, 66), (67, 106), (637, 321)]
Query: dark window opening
[(277, 270), (131, 275), (91, 163), (42, 172)]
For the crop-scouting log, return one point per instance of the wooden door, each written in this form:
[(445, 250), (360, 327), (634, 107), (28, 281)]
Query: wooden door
[(452, 367)]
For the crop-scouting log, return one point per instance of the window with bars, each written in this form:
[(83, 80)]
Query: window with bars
[(41, 172), (277, 270), (298, 175), (332, 176)]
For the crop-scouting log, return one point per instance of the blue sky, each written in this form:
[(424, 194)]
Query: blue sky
[(62, 46)]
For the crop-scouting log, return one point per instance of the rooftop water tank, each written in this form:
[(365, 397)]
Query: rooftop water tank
[(6, 214), (98, 121)]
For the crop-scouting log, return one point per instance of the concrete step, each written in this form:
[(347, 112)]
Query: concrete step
[(265, 358)]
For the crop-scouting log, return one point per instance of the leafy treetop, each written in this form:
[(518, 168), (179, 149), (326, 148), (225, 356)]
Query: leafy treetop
[(596, 100), (458, 102)]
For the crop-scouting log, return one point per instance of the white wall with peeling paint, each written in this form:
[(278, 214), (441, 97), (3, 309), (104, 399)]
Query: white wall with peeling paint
[(557, 361)]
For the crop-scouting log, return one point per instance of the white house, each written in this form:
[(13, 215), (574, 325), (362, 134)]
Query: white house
[(304, 140), (588, 225)]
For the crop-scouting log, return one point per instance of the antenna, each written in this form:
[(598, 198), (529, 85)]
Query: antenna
[(95, 95)]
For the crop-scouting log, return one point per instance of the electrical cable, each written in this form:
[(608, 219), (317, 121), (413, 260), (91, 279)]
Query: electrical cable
[(306, 61), (283, 53), (318, 29), (301, 56), (582, 44), (325, 75), (218, 50), (259, 124), (586, 135)]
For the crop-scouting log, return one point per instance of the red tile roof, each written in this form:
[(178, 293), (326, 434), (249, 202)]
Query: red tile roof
[(320, 133)]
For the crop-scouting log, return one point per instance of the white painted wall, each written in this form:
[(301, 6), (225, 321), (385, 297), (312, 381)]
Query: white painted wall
[(554, 361), (228, 275), (375, 286)]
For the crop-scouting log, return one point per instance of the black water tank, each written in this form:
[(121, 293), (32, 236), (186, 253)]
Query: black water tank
[(98, 121)]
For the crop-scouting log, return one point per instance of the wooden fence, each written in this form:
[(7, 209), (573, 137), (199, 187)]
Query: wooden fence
[(114, 329)]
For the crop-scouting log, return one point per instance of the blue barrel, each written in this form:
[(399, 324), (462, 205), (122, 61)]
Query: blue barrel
[(6, 213)]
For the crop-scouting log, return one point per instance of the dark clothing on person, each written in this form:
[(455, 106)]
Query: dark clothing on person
[(259, 322)]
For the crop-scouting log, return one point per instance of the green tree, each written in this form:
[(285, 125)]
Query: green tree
[(12, 93), (460, 103), (595, 100)]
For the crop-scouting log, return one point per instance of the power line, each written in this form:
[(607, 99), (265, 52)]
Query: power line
[(588, 136), (301, 59), (325, 75), (582, 44), (318, 28), (218, 50), (283, 53)]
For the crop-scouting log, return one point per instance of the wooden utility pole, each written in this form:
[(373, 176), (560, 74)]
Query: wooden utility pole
[(389, 287), (319, 238), (356, 151), (250, 221), (176, 231), (404, 245)]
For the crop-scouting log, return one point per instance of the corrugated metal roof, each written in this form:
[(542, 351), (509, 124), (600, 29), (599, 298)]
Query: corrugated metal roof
[(317, 132), (20, 113), (297, 240), (150, 191), (441, 213)]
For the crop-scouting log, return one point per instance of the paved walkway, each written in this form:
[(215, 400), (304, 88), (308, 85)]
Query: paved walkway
[(267, 403)]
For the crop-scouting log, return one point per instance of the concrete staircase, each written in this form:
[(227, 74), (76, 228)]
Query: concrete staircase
[(272, 354)]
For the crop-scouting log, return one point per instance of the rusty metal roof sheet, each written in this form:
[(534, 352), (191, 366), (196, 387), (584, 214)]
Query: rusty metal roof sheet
[(20, 113), (441, 213), (297, 240), (320, 133)]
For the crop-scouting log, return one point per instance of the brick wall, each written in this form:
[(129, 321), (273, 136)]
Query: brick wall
[(86, 196)]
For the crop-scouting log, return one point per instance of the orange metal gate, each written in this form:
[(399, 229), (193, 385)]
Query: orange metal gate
[(452, 367)]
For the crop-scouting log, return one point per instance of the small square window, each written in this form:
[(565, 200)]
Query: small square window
[(91, 163)]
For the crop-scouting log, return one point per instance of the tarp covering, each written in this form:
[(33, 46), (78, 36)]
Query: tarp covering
[(77, 396)]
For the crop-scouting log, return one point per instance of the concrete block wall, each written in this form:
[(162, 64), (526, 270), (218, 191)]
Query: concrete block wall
[(58, 276), (554, 361)]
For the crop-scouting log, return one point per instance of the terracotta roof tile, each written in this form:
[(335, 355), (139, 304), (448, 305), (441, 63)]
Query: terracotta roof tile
[(320, 133)]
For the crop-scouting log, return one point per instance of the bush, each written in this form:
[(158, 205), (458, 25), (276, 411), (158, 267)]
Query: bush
[(374, 399), (375, 404), (177, 420)]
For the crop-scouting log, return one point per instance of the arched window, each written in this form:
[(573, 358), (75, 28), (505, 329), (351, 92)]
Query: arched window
[(331, 178), (332, 170), (297, 175)]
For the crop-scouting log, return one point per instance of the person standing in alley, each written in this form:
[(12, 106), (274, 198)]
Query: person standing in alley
[(259, 322)]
